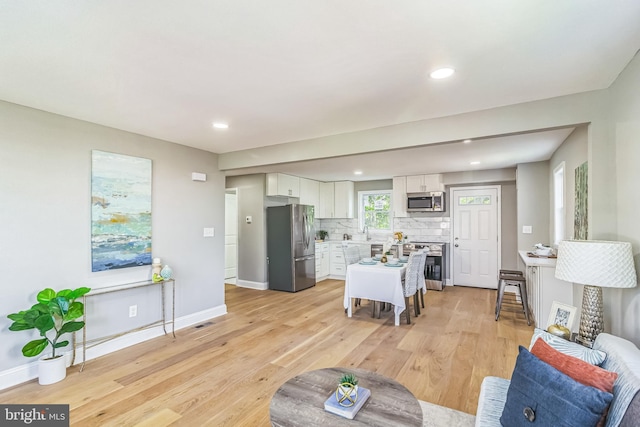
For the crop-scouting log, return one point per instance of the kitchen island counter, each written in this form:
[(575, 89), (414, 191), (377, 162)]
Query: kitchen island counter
[(537, 262), (543, 288)]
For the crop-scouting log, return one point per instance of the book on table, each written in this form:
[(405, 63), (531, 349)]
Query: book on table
[(332, 405)]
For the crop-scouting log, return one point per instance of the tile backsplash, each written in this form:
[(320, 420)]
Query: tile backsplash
[(431, 229)]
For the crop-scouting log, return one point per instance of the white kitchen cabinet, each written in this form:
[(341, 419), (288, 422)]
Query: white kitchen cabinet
[(343, 199), (337, 266), (543, 289), (400, 197), (327, 190), (280, 184), (423, 183), (310, 194), (322, 261)]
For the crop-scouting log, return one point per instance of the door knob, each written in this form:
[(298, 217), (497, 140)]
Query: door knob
[(456, 245)]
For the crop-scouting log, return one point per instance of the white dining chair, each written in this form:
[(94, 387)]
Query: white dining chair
[(422, 286), (410, 285), (351, 256)]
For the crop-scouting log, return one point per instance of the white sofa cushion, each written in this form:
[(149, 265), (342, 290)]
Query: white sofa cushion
[(593, 356), (623, 357), (493, 395)]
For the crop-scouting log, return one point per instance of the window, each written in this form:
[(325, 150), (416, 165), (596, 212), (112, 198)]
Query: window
[(558, 203), (374, 209), (474, 200)]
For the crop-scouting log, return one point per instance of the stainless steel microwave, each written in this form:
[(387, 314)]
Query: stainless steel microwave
[(426, 202)]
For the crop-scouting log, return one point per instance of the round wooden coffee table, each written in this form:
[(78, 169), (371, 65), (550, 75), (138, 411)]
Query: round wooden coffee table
[(300, 401)]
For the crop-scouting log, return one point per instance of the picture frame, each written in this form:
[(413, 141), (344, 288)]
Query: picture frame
[(562, 314)]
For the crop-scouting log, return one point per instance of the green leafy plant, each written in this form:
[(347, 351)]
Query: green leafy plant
[(55, 313), (322, 234), (349, 379)]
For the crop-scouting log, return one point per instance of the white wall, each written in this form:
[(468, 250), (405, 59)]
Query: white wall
[(573, 152), (622, 307), (509, 226), (533, 204), (45, 189), (252, 238)]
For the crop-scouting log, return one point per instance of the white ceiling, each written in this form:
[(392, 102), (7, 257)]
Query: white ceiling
[(288, 70)]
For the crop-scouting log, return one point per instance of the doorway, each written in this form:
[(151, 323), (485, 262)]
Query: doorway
[(230, 236), (476, 236)]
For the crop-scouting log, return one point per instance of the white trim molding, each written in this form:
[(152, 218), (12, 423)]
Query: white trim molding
[(261, 286)]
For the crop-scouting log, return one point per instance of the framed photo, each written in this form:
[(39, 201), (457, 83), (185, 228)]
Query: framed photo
[(562, 314)]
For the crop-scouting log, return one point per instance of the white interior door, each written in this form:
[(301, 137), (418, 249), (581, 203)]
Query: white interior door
[(230, 236), (476, 236)]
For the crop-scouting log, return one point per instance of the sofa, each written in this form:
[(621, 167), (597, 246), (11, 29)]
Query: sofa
[(621, 362)]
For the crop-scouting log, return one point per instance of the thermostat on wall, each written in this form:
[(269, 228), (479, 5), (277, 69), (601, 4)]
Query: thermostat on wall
[(197, 176)]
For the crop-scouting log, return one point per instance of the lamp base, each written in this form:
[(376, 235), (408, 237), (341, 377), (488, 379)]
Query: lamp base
[(591, 319), (584, 342)]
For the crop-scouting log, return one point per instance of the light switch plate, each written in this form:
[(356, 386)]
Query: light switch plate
[(527, 229), (209, 232)]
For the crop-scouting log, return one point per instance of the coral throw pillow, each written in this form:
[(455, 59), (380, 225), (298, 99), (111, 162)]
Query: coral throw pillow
[(581, 371)]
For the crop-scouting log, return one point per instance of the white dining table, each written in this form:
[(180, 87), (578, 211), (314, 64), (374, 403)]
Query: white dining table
[(376, 282)]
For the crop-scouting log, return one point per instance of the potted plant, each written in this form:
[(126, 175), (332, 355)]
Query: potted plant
[(322, 234), (347, 391), (54, 315)]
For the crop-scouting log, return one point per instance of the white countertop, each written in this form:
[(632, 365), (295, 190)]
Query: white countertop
[(537, 262), (367, 242)]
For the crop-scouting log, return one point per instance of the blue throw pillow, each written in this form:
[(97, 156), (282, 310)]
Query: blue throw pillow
[(540, 395)]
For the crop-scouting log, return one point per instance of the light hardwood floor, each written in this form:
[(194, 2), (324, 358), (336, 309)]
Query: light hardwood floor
[(225, 371)]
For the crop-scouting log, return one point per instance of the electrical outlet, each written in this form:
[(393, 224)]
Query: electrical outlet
[(133, 310)]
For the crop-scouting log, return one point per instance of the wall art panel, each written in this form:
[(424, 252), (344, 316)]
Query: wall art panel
[(120, 211)]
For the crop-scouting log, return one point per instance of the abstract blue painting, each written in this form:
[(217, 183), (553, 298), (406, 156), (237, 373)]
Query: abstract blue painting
[(120, 211)]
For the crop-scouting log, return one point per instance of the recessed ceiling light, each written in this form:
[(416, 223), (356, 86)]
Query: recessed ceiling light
[(220, 125), (467, 141), (357, 172), (474, 163), (442, 73)]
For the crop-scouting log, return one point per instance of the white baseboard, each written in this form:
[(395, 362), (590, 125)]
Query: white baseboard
[(29, 371), (262, 286)]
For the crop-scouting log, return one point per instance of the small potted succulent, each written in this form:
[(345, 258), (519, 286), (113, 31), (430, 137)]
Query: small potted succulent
[(54, 315), (347, 391)]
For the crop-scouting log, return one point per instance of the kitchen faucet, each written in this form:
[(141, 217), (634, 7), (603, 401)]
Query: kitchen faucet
[(365, 230)]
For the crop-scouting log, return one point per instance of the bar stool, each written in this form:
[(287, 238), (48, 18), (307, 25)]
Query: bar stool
[(513, 278)]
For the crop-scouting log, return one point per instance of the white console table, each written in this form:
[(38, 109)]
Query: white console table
[(543, 288), (125, 287)]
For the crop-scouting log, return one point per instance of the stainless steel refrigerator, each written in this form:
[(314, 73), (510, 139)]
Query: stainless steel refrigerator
[(291, 247)]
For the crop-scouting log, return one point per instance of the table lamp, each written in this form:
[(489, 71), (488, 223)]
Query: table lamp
[(595, 264)]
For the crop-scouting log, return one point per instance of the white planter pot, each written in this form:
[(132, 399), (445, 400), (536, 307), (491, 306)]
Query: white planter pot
[(342, 390), (51, 370)]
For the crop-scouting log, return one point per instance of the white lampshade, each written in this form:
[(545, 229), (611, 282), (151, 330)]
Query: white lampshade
[(597, 263)]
